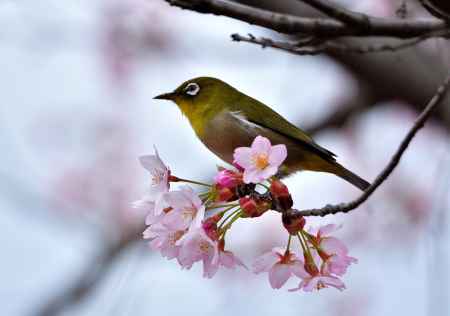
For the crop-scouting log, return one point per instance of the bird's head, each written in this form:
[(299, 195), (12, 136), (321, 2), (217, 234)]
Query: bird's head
[(200, 96)]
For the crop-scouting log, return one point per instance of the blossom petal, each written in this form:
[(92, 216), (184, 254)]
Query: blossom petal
[(251, 176), (333, 246), (278, 154), (265, 262), (298, 269), (243, 157), (278, 275), (261, 145)]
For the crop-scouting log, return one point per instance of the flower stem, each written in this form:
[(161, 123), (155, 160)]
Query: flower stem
[(228, 216), (289, 243), (222, 205), (193, 182), (237, 214), (306, 243), (301, 242)]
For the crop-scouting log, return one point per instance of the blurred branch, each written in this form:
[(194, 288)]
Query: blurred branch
[(92, 276), (341, 14), (318, 27), (418, 124), (313, 46), (437, 8)]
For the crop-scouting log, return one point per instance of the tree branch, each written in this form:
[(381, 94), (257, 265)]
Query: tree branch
[(318, 27), (439, 9), (90, 278), (340, 14), (318, 47), (418, 124)]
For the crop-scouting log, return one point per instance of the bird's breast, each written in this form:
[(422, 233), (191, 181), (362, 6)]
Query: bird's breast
[(224, 133)]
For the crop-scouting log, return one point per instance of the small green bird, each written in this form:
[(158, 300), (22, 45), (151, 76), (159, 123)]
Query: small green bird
[(224, 118)]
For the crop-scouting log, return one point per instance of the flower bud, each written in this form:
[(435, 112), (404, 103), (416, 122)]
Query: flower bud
[(225, 195), (252, 207), (281, 197), (293, 221), (228, 179), (210, 226)]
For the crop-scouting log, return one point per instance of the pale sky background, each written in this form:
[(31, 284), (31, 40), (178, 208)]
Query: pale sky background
[(56, 89)]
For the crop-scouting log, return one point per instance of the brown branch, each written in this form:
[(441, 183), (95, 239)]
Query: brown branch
[(418, 124), (305, 48), (439, 9), (94, 273), (318, 27), (334, 11)]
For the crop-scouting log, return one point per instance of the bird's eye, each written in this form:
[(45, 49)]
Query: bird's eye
[(192, 89)]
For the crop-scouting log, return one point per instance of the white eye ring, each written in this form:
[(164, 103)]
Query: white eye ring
[(192, 89)]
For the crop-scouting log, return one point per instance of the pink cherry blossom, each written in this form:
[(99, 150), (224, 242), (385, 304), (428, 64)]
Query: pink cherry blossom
[(333, 251), (261, 160), (164, 240), (159, 173), (319, 282), (227, 259), (196, 245), (281, 265), (147, 206), (186, 209)]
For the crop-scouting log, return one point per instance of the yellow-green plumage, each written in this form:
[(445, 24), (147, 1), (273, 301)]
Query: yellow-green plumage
[(224, 118)]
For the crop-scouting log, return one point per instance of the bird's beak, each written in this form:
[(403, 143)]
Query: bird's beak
[(165, 96)]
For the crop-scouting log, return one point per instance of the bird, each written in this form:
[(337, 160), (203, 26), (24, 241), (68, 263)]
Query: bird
[(224, 119)]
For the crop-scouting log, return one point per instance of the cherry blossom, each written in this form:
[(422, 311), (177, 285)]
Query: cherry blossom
[(186, 209), (318, 282), (261, 160), (164, 240), (196, 245), (159, 173), (280, 265), (333, 252)]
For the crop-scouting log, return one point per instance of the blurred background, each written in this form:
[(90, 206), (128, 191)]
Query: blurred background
[(77, 80)]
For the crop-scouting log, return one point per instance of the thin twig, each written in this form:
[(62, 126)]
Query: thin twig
[(333, 46), (318, 27), (418, 124)]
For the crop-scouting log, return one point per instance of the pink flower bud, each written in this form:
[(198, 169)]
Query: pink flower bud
[(210, 226), (228, 179)]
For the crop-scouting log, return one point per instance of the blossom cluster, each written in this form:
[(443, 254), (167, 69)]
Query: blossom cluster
[(191, 227)]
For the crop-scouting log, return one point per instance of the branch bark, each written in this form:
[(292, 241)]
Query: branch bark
[(340, 14), (319, 27), (334, 47), (418, 124)]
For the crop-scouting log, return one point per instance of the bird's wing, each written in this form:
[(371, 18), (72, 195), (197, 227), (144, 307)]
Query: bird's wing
[(269, 119)]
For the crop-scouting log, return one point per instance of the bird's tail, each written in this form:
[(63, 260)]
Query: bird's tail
[(349, 176)]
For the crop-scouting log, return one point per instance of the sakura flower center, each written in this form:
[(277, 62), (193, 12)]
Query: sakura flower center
[(204, 246), (158, 176), (320, 285), (189, 213), (261, 161), (173, 238)]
